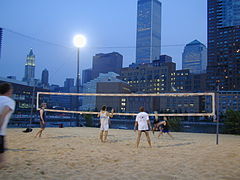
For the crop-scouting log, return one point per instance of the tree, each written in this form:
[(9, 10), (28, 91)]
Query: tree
[(175, 123), (89, 120), (232, 122)]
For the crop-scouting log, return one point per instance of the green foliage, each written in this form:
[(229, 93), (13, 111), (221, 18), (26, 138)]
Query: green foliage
[(174, 123), (89, 120), (232, 122)]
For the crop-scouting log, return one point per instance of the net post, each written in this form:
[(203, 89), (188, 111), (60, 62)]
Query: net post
[(217, 115), (37, 102)]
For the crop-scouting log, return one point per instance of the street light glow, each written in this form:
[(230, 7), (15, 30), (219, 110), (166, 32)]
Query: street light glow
[(79, 41)]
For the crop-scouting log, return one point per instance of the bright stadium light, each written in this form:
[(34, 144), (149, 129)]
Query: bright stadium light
[(79, 41)]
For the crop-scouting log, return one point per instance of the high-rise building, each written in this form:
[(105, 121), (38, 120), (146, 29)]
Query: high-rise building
[(104, 63), (1, 32), (149, 78), (148, 44), (223, 68), (194, 57), (29, 67), (86, 75), (68, 84), (45, 77)]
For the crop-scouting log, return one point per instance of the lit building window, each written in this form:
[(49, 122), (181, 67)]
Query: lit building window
[(123, 100)]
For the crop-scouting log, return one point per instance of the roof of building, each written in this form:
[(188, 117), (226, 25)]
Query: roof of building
[(13, 81), (31, 53), (195, 42)]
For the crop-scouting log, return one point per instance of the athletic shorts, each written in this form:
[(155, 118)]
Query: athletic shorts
[(2, 148), (42, 126), (165, 131), (104, 127), (144, 130)]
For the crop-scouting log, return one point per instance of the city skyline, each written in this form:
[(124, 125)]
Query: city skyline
[(98, 27)]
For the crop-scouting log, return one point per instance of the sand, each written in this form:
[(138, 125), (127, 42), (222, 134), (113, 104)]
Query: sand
[(76, 153)]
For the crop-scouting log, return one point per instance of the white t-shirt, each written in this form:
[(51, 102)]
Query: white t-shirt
[(104, 121), (6, 101), (142, 118)]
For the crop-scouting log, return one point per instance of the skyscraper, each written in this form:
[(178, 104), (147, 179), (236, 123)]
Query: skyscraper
[(68, 84), (29, 67), (148, 44), (1, 32), (86, 75), (45, 76), (104, 63), (223, 67), (194, 57)]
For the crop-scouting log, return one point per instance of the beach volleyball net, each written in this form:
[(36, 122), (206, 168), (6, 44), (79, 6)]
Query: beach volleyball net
[(165, 104)]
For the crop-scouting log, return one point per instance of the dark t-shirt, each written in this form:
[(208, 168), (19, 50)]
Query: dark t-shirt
[(44, 115), (165, 128)]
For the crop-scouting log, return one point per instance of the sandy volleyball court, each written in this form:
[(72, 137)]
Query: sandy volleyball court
[(76, 153)]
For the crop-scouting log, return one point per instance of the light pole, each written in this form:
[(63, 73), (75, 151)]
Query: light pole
[(79, 41)]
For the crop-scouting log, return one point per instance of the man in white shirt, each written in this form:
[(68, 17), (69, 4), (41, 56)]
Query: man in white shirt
[(7, 106), (142, 122)]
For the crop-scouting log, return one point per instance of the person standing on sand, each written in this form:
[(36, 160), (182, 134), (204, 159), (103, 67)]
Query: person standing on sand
[(143, 124), (42, 114), (104, 121), (7, 106)]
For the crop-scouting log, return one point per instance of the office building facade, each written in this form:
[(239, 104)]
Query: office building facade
[(149, 78), (86, 75), (1, 34), (29, 68), (148, 41), (45, 77), (194, 57), (68, 84), (104, 63), (223, 69)]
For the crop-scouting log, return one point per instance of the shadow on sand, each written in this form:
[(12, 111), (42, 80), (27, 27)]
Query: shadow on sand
[(179, 144)]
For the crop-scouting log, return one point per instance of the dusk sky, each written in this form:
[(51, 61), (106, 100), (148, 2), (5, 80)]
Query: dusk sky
[(109, 25)]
